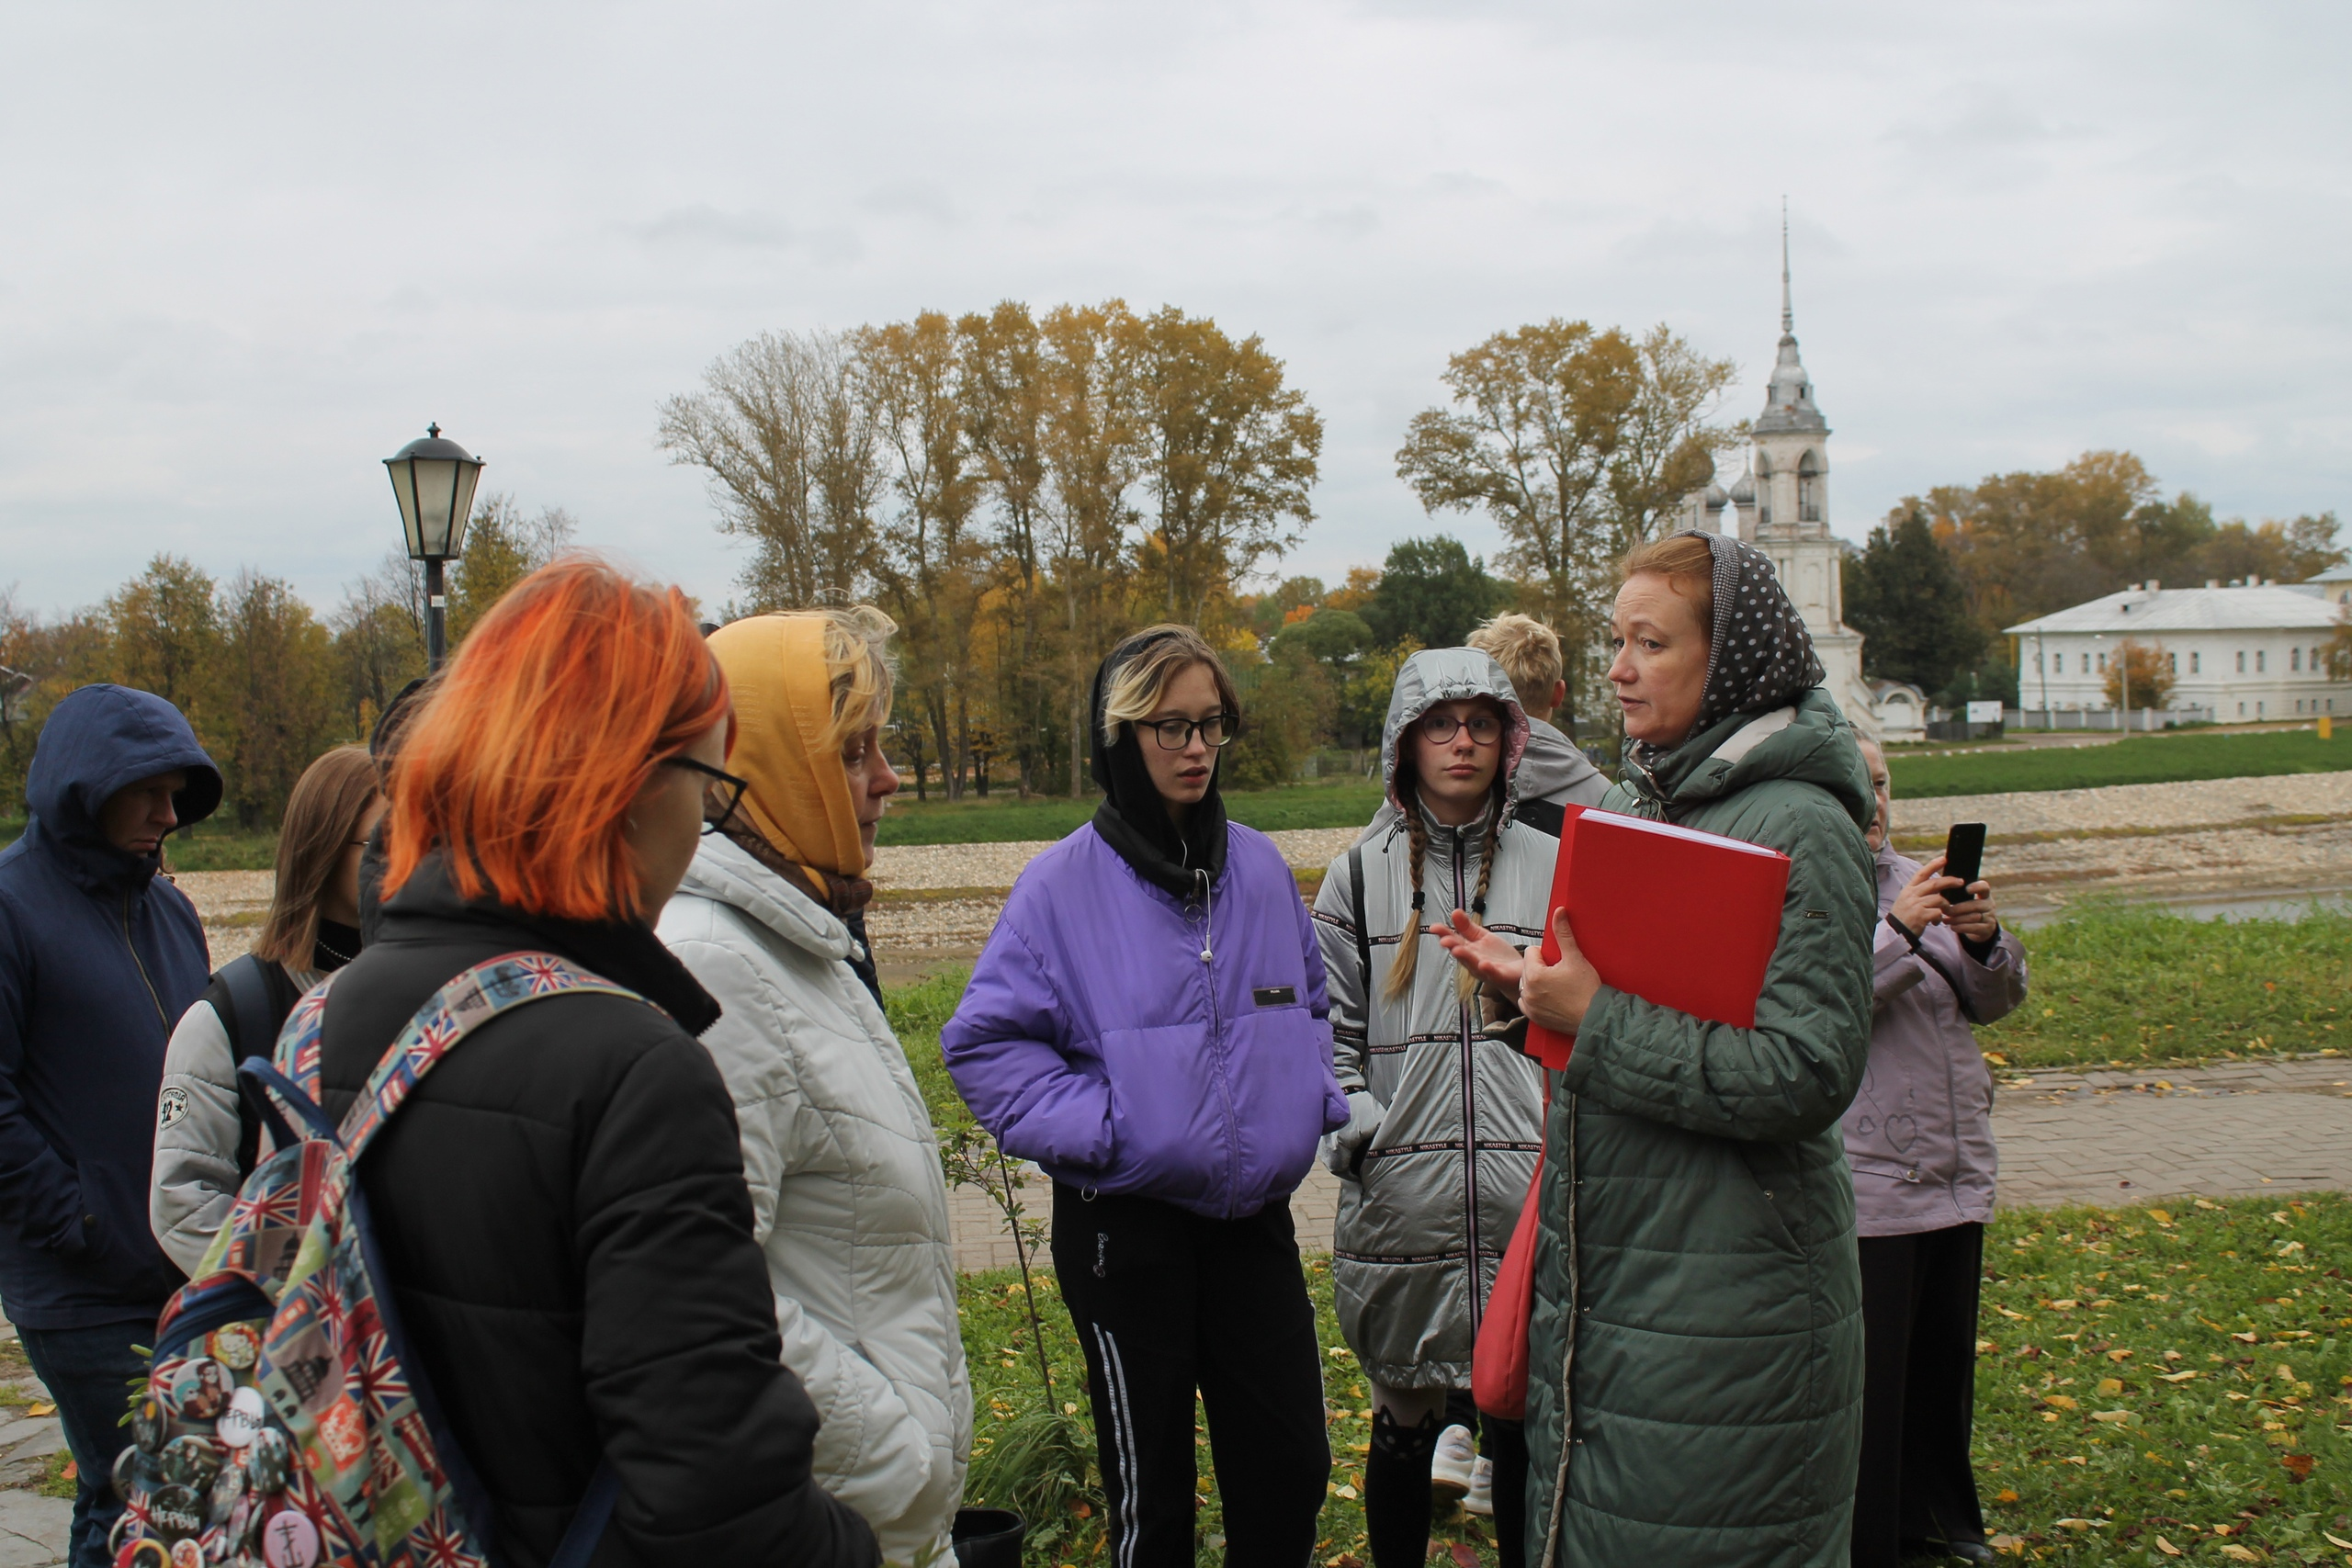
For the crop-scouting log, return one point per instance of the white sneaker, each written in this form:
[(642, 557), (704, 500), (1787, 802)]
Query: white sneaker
[(1451, 1466), (1480, 1499)]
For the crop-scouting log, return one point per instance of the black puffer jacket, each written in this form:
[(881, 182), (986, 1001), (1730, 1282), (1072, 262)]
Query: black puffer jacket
[(562, 1214)]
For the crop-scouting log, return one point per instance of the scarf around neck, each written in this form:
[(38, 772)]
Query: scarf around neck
[(1132, 820)]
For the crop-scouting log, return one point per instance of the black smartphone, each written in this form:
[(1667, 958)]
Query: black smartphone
[(1964, 858)]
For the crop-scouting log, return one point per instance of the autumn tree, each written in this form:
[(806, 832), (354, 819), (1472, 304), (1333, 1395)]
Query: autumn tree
[(166, 634), (1230, 456), (2140, 676), (1006, 392), (275, 704), (790, 451), (928, 565), (2273, 551), (1579, 445), (502, 546)]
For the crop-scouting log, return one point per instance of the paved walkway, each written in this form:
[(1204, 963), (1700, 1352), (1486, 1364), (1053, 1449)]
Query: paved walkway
[(2090, 1137)]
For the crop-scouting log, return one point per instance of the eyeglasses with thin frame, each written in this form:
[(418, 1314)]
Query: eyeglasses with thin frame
[(1175, 734), (721, 794), (1438, 728)]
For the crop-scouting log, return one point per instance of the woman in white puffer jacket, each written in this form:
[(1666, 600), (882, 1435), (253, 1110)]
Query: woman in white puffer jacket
[(838, 1148)]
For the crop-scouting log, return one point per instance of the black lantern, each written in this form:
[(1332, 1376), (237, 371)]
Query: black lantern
[(433, 480)]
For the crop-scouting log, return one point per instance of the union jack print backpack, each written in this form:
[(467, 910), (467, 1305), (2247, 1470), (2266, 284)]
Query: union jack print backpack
[(284, 1423)]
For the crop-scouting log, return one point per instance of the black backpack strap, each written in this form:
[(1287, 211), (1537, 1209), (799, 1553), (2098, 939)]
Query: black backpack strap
[(253, 997), (1544, 815)]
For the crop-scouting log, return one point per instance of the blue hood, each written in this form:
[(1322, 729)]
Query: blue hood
[(96, 740)]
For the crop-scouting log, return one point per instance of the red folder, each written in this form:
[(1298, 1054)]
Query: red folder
[(1676, 917)]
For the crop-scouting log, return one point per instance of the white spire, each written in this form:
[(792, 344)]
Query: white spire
[(1788, 312)]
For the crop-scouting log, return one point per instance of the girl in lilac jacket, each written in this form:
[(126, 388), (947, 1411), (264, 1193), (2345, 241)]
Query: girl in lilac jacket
[(1147, 1023)]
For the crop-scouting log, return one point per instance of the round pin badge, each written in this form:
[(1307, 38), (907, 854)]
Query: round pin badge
[(247, 1415), (269, 1460), (289, 1540), (201, 1387), (186, 1553), (134, 1472), (144, 1552), (236, 1345), (147, 1425), (176, 1511), (228, 1490), (190, 1461)]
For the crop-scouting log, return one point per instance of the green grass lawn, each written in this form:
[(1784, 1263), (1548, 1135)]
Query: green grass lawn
[(1003, 819), (2152, 759), (2179, 1371), (208, 846), (2134, 986)]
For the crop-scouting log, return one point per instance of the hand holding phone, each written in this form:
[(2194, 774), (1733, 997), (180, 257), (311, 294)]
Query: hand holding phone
[(1964, 858)]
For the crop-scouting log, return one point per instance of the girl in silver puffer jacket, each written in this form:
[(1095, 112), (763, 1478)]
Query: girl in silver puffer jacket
[(1445, 1120)]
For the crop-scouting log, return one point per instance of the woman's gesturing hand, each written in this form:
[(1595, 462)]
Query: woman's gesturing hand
[(1921, 902), (1480, 951), (1557, 994)]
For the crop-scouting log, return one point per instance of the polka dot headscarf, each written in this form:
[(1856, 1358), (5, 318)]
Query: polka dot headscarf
[(1761, 656)]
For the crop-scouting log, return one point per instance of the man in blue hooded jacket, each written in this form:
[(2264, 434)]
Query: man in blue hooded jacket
[(98, 958)]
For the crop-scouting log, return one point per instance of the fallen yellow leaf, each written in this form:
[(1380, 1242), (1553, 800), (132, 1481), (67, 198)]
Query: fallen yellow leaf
[(2249, 1336), (2008, 1494), (2176, 1376), (2065, 1304), (2239, 1555), (2007, 1313), (2110, 1415), (2337, 1541), (2167, 1547), (2119, 1354), (1347, 1492), (2072, 1523), (1986, 1346), (2110, 1385), (2162, 1218), (2062, 1400)]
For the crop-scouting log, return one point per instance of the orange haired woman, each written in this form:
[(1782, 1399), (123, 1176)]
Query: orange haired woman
[(560, 1204)]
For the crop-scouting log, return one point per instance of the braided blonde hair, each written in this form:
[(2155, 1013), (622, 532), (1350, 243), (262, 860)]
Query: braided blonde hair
[(1417, 833)]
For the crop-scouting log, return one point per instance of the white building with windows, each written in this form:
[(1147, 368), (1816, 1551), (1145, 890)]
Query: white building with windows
[(2241, 652), (2335, 585), (1781, 506)]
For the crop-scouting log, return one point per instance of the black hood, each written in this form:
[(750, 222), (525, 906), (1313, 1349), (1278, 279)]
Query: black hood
[(1132, 818), (95, 742)]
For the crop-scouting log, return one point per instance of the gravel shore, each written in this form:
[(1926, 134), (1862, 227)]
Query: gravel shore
[(2289, 831)]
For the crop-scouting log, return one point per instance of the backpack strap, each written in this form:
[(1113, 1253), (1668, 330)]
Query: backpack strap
[(1364, 938), (455, 1010), (1545, 815)]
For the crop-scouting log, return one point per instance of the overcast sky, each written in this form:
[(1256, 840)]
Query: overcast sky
[(248, 250)]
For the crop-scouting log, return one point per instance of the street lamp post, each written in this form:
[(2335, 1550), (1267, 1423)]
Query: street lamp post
[(434, 481)]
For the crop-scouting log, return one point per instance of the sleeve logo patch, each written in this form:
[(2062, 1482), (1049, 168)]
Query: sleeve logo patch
[(1275, 996), (172, 1108)]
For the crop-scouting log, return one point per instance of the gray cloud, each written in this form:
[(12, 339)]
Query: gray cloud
[(246, 261)]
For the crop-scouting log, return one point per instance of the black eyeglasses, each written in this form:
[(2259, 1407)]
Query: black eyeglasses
[(720, 796), (1175, 734), (1439, 728)]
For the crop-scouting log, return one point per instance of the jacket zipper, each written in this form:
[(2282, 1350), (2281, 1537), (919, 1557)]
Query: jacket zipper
[(1469, 1116), (1217, 1045), (141, 967), (1568, 1339)]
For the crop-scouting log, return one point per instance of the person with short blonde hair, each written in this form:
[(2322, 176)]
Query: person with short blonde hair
[(1147, 1023), (1554, 774), (770, 919)]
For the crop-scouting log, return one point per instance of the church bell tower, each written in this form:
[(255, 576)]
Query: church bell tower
[(1781, 506)]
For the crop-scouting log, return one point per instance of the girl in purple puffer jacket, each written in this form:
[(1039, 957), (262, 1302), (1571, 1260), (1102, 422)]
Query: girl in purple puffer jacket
[(1147, 1023)]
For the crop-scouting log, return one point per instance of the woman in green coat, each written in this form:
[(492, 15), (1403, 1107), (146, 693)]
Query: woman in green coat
[(1695, 1357)]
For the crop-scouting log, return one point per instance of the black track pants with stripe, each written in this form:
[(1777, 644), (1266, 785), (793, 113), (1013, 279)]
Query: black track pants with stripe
[(1165, 1303)]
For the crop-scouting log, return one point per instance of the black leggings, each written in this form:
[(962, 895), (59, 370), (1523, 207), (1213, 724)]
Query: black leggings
[(1166, 1303), (1918, 1393)]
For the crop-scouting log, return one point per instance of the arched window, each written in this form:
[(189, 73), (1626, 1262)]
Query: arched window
[(1808, 490)]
